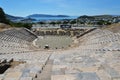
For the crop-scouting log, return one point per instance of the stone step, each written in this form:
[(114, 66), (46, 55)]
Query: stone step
[(113, 74), (78, 76), (46, 73), (102, 75)]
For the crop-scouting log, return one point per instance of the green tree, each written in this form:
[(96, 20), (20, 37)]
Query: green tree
[(58, 22), (41, 23), (101, 22), (73, 22), (27, 25), (22, 25), (53, 23), (3, 17), (65, 22)]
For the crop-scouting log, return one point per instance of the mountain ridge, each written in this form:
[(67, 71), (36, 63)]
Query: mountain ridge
[(11, 17), (47, 15)]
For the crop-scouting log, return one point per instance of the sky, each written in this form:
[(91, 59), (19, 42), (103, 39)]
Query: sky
[(60, 7)]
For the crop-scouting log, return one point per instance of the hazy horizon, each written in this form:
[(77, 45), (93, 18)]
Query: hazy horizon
[(24, 8), (64, 14)]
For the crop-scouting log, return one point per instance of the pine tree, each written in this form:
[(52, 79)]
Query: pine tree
[(3, 17)]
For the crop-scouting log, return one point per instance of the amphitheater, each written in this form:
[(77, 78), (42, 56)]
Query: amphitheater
[(94, 55)]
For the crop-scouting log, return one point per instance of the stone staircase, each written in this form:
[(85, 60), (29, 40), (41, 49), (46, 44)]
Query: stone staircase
[(46, 72)]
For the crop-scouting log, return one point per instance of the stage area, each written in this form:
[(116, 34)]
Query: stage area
[(54, 42)]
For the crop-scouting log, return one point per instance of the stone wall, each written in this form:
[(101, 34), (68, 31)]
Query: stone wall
[(68, 32)]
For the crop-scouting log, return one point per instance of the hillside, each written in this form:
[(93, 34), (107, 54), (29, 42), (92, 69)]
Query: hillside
[(95, 17), (4, 26), (103, 16), (114, 27), (10, 17)]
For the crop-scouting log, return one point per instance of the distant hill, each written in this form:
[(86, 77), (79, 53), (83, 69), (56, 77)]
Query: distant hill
[(96, 16), (28, 20), (85, 16), (46, 15), (13, 18), (115, 15), (103, 16), (30, 17)]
